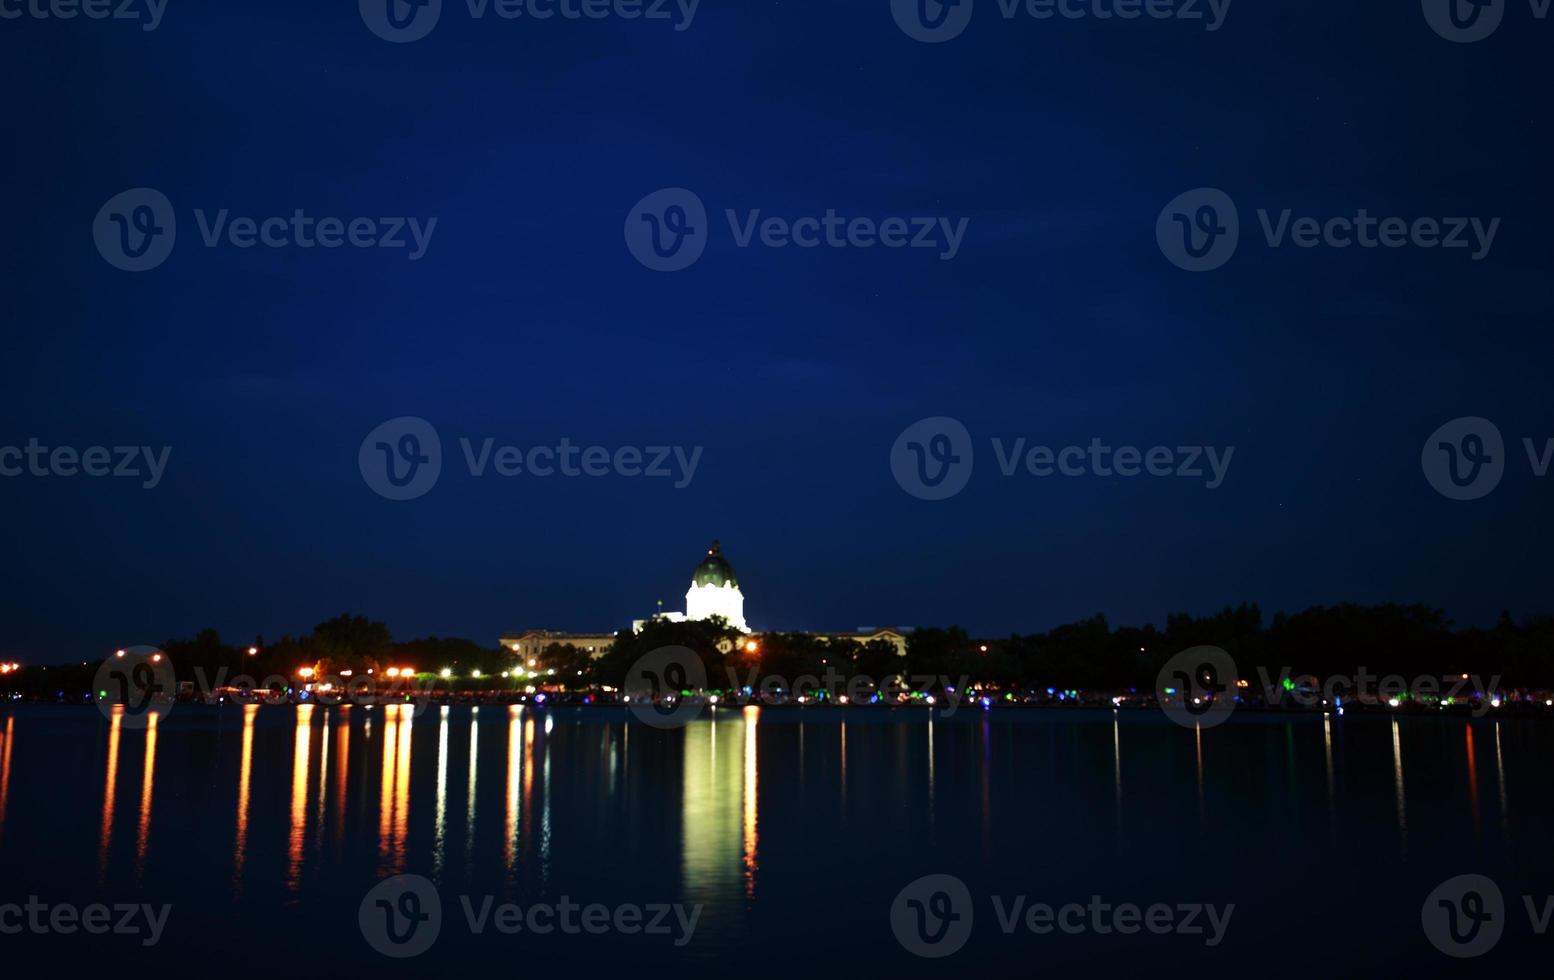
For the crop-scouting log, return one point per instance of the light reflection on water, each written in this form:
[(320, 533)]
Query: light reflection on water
[(244, 780), (147, 779), (110, 785), (738, 808), (7, 739)]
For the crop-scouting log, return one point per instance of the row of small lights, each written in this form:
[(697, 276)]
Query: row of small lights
[(7, 668)]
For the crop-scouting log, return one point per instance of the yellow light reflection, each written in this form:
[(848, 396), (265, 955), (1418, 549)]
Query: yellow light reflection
[(1117, 762), (441, 845), (386, 784), (245, 771), (1327, 746), (5, 768), (752, 715), (1397, 780), (844, 768), (515, 749), (110, 785), (1505, 814), (929, 713), (1472, 778), (394, 799), (342, 771), (469, 813), (143, 835), (711, 831), (402, 783), (323, 782), (1198, 735), (300, 765)]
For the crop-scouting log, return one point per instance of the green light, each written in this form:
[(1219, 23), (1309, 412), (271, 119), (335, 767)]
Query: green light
[(1289, 685)]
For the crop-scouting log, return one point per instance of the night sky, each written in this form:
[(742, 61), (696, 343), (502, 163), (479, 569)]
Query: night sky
[(528, 319)]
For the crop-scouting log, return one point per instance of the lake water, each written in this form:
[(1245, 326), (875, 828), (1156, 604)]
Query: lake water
[(793, 829)]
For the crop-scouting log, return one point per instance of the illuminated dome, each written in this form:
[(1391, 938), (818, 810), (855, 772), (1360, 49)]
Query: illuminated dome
[(715, 591), (715, 570)]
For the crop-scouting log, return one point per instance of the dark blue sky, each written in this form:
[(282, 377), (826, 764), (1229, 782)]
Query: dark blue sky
[(528, 319)]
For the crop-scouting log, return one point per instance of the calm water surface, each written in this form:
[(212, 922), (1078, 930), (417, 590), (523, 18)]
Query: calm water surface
[(793, 828)]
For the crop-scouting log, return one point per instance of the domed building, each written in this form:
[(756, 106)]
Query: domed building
[(715, 591)]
